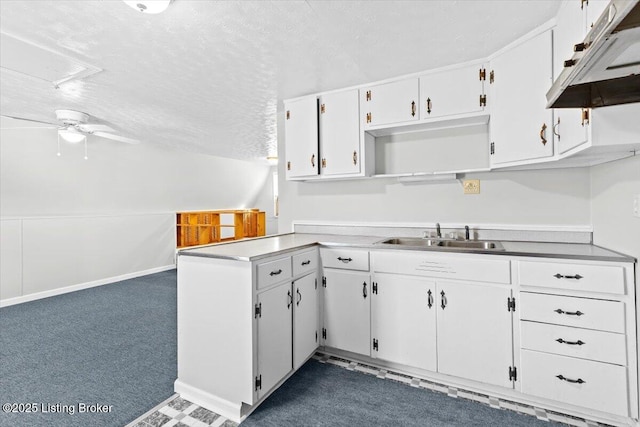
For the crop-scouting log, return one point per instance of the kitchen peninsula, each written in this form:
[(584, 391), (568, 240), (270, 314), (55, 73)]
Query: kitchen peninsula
[(546, 324)]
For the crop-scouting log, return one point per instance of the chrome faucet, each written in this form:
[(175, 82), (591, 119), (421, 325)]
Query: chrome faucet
[(466, 232), (438, 232)]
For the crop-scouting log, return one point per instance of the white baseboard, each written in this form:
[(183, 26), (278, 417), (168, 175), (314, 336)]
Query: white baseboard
[(230, 410), (59, 291)]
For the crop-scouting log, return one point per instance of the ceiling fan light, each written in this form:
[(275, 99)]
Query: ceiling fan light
[(148, 6), (71, 136)]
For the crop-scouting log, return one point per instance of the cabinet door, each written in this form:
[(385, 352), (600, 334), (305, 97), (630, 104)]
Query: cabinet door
[(346, 311), (403, 320), (305, 319), (569, 129), (520, 122), (301, 137), (390, 103), (451, 92), (340, 133), (474, 332), (274, 336)]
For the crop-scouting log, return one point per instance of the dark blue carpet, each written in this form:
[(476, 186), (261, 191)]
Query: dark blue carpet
[(110, 345), (326, 395)]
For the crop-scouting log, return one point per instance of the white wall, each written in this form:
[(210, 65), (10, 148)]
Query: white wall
[(67, 221), (613, 187)]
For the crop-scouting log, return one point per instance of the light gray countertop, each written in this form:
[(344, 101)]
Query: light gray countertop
[(262, 247)]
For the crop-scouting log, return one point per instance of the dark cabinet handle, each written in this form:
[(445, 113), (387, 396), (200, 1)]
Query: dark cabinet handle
[(429, 299), (275, 273), (569, 313), (569, 380), (289, 299), (428, 105), (364, 290), (307, 262), (413, 108), (579, 342), (299, 296), (345, 260), (560, 276), (443, 300)]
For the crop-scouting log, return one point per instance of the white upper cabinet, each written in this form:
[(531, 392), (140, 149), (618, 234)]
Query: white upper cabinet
[(340, 133), (454, 91), (301, 133), (390, 103), (521, 125)]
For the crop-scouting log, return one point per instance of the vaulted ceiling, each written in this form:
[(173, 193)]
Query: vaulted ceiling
[(210, 76)]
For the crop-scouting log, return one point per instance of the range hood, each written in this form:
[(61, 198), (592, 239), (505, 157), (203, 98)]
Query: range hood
[(605, 68)]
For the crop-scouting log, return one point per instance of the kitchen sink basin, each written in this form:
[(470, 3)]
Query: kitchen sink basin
[(457, 244)]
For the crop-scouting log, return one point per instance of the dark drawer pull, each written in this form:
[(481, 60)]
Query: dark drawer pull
[(275, 273), (560, 276), (569, 380), (579, 342), (345, 260), (569, 313), (307, 262), (364, 290)]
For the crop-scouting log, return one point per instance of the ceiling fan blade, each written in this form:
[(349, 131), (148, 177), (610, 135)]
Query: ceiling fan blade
[(93, 128), (31, 120), (116, 137)]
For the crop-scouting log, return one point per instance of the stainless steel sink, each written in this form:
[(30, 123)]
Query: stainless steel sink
[(412, 241), (457, 244), (471, 244)]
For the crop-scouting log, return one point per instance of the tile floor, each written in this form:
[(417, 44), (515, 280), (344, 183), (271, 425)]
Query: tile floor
[(178, 412)]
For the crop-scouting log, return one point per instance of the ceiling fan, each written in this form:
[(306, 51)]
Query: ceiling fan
[(74, 126)]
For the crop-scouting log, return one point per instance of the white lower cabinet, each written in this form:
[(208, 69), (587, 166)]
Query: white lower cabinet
[(578, 341), (346, 310), (403, 320), (305, 319), (274, 361), (596, 385), (475, 332), (451, 326), (558, 334)]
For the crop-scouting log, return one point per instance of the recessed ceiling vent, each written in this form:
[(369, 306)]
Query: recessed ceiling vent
[(27, 59)]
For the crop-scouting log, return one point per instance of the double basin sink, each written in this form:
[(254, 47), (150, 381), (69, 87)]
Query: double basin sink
[(438, 243)]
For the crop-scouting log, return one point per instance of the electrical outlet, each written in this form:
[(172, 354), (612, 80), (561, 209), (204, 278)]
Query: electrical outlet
[(636, 206), (471, 186)]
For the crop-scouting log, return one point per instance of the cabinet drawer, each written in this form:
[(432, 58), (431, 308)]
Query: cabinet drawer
[(349, 259), (575, 342), (577, 277), (275, 271), (305, 262), (595, 385), (570, 311)]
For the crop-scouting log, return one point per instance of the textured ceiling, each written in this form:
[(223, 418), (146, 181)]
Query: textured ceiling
[(209, 76)]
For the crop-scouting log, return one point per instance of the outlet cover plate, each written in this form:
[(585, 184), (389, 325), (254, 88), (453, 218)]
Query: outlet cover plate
[(471, 186), (636, 206)]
